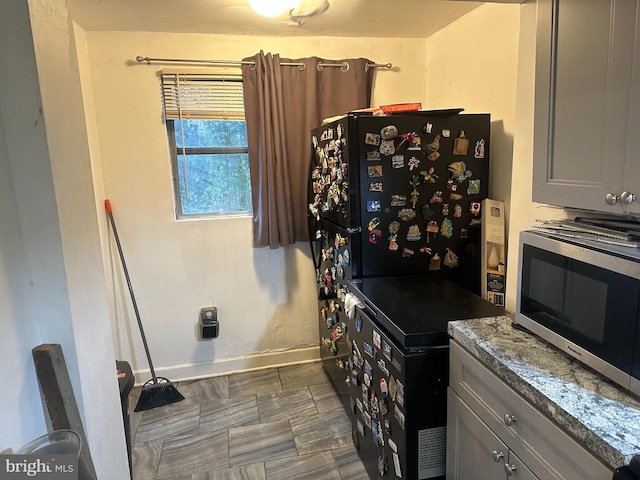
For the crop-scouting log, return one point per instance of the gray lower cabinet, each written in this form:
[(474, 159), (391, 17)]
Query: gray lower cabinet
[(587, 105), (474, 451), (494, 433)]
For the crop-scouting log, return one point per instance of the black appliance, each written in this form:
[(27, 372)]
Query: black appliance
[(398, 370), (393, 196), (629, 472), (583, 297)]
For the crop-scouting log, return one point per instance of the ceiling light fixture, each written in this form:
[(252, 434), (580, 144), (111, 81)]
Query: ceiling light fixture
[(273, 8)]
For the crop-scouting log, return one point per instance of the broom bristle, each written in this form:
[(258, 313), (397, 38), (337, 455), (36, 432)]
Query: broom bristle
[(156, 395)]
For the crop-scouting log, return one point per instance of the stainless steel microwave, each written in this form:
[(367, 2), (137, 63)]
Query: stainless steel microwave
[(584, 298)]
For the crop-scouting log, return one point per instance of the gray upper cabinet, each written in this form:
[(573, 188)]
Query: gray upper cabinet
[(587, 105)]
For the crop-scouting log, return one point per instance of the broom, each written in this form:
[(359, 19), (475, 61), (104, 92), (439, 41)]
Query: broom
[(158, 391)]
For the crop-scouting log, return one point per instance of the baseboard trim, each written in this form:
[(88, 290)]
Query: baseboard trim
[(226, 366)]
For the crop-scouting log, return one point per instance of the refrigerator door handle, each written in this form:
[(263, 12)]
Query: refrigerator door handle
[(368, 305)]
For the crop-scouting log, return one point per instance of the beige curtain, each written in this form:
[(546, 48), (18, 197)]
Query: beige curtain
[(282, 105)]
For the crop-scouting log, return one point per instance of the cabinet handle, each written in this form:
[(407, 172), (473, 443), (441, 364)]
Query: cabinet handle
[(627, 197), (497, 456), (509, 469), (611, 198), (509, 419)]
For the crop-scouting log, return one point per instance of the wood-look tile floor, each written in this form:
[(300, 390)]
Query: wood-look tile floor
[(273, 424)]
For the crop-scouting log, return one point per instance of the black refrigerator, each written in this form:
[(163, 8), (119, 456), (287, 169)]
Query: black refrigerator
[(399, 370), (392, 196)]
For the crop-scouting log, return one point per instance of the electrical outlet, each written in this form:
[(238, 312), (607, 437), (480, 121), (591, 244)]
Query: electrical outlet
[(209, 322)]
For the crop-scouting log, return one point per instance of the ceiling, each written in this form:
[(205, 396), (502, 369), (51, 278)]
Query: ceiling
[(344, 18)]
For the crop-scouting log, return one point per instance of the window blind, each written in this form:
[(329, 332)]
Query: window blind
[(202, 96)]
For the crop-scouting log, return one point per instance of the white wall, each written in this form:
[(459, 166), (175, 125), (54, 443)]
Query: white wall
[(265, 297), (484, 62), (59, 285)]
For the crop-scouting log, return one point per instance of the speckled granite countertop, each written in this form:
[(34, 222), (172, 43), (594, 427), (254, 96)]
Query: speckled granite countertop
[(595, 411)]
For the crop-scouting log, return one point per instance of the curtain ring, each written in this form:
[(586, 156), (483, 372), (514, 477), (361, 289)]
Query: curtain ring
[(319, 66), (345, 66), (302, 66)]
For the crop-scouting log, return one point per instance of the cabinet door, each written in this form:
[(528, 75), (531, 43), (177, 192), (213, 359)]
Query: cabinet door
[(584, 68), (473, 451)]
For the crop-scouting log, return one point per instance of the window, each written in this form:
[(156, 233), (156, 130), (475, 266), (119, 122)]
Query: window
[(208, 142)]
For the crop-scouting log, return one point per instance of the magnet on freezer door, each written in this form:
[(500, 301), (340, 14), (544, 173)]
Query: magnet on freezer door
[(413, 163), (400, 393), (386, 350), (460, 144), (446, 228), (372, 139), (397, 161), (383, 367), (474, 187), (450, 259), (382, 464), (387, 147), (373, 156), (399, 415), (392, 388), (389, 132), (374, 432), (478, 151), (429, 176), (376, 338), (474, 208), (431, 149), (436, 197), (374, 170), (383, 387), (459, 171), (434, 263), (387, 430), (413, 233), (398, 200), (414, 197), (375, 187)]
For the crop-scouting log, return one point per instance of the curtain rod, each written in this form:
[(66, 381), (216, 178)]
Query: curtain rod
[(344, 66)]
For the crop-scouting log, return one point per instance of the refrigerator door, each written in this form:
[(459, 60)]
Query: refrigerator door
[(399, 403), (334, 175), (334, 266), (420, 192)]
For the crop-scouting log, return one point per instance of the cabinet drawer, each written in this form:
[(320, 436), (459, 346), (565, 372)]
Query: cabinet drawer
[(546, 449)]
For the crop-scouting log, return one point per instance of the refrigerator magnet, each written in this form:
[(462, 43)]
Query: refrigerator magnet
[(339, 130), (446, 133), (375, 187), (393, 242), (399, 393), (374, 236), (478, 151), (383, 387), (460, 144), (413, 163), (445, 209), (374, 432), (413, 233), (360, 428), (398, 200), (392, 388), (474, 208), (372, 139), (446, 228), (367, 419), (387, 431), (464, 233), (457, 210), (382, 464), (386, 350), (396, 465), (427, 127), (373, 205), (374, 155), (373, 223), (387, 147), (389, 132), (368, 349), (376, 339), (430, 150), (450, 259), (367, 369), (474, 187), (436, 197), (374, 170), (381, 439), (429, 176), (434, 263), (407, 252), (359, 404), (459, 171), (384, 406), (397, 161), (375, 408), (407, 214), (455, 196), (358, 325), (414, 197), (383, 367), (426, 211), (366, 379)]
